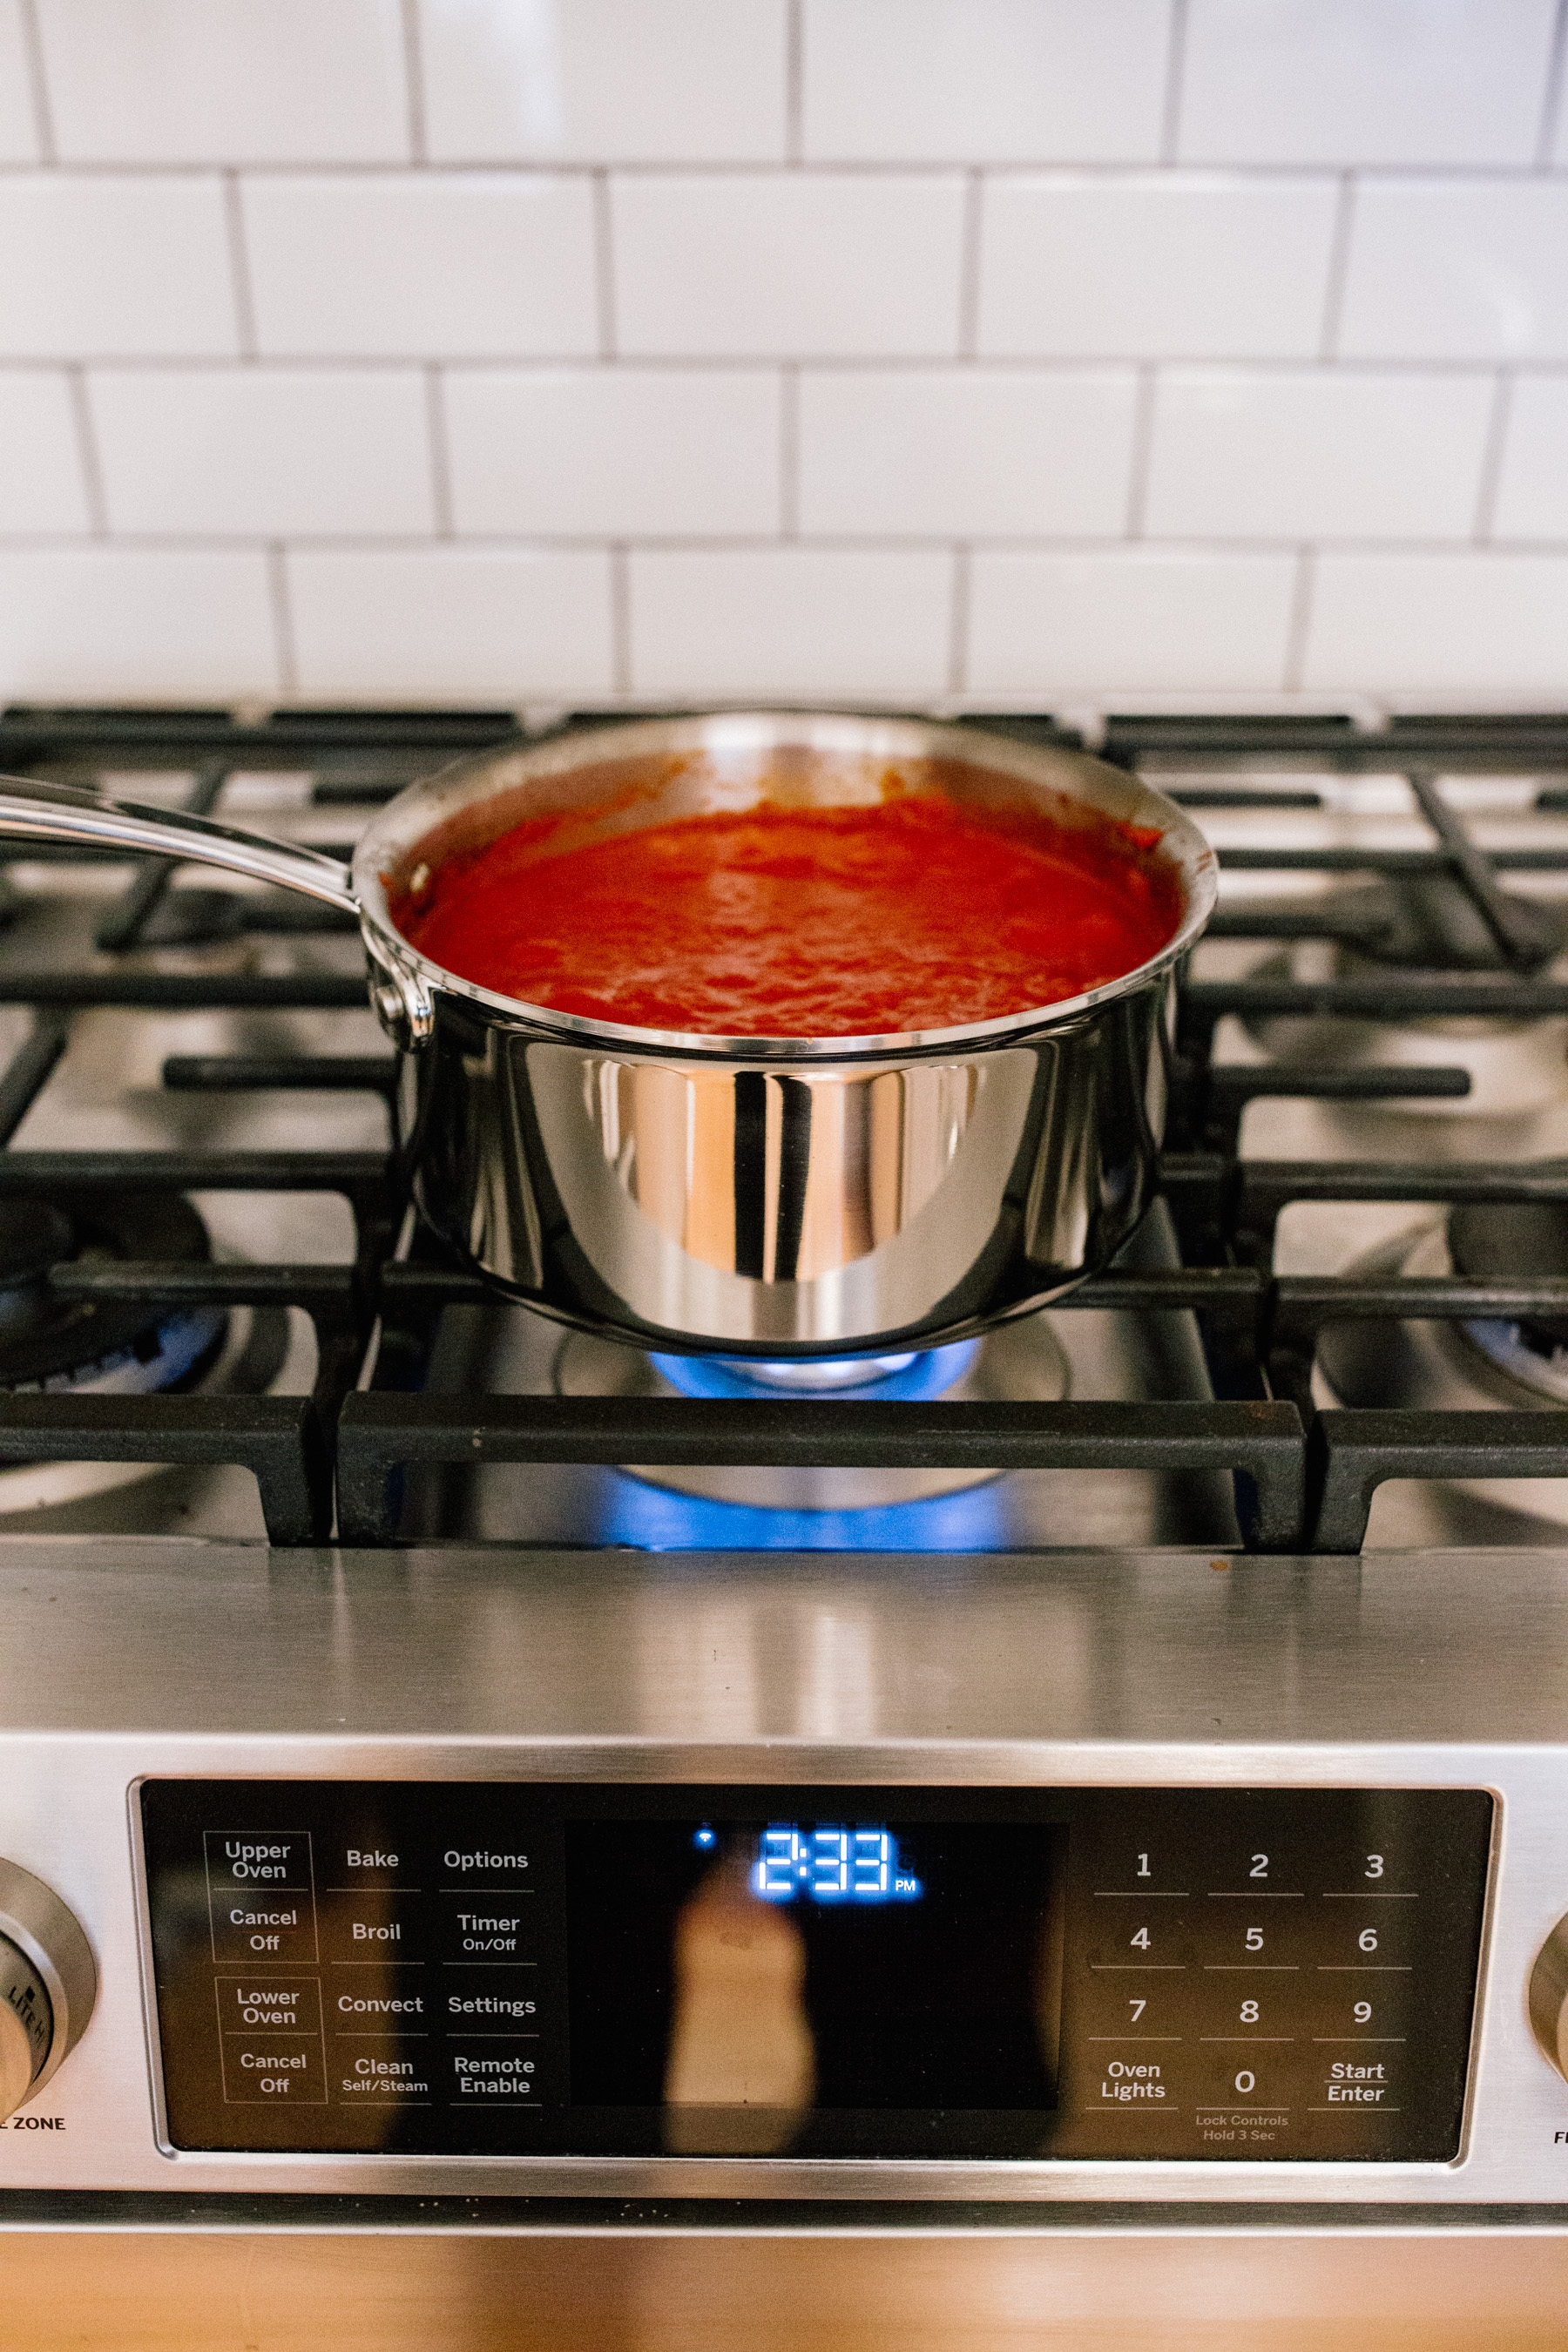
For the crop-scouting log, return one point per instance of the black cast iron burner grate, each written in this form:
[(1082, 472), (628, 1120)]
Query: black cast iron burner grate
[(1304, 1477)]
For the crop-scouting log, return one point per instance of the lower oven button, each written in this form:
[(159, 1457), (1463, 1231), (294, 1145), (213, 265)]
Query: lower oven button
[(47, 1985)]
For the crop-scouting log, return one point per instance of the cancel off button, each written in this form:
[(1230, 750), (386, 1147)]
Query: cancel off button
[(276, 2070)]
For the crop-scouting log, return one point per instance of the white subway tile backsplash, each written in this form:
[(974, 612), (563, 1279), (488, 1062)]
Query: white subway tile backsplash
[(1316, 454), (265, 452), (1532, 487), (1155, 264), (131, 266), (466, 624), (1053, 629), (586, 349), (676, 452), (965, 452), (103, 624), (211, 81), (605, 80), (1441, 631), (41, 484), (821, 264), (984, 80), (18, 123), (1459, 269), (1363, 81), (777, 624), (406, 265)]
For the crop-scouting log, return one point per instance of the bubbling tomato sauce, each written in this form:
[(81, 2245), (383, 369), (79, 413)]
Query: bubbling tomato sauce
[(912, 913)]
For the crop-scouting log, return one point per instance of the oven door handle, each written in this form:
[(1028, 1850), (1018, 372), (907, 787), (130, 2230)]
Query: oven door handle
[(32, 810)]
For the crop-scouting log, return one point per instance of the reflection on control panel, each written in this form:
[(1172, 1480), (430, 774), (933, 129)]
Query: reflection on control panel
[(536, 1969)]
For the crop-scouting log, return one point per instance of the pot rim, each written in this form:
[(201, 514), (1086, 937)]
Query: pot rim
[(427, 803)]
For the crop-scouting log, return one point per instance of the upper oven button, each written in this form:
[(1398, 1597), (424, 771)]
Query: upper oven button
[(47, 1985)]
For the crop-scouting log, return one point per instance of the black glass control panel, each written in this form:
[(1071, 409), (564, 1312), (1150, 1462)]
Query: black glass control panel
[(532, 1969)]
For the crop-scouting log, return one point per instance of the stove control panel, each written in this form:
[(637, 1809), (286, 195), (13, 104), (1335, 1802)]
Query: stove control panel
[(47, 1985), (879, 1972)]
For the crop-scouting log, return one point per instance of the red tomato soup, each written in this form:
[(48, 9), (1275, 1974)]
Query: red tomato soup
[(912, 913)]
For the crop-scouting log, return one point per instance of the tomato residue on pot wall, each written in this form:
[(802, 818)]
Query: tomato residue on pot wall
[(914, 913)]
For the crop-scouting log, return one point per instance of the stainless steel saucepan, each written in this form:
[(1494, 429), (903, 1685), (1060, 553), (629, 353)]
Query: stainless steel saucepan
[(764, 1197)]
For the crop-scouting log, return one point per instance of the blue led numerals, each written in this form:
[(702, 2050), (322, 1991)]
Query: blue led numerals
[(832, 1864)]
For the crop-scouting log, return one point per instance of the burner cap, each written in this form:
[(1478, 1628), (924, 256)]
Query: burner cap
[(34, 1235), (1510, 1241)]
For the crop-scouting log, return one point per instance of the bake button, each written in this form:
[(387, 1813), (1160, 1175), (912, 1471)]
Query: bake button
[(274, 2071), (257, 2004), (380, 2074)]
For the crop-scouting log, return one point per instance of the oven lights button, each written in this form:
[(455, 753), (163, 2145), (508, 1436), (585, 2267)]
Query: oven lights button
[(47, 1985)]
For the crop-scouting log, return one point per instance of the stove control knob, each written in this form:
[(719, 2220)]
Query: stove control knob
[(1549, 1996), (47, 1985)]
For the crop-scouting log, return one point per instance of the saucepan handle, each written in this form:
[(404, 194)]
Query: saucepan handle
[(31, 810)]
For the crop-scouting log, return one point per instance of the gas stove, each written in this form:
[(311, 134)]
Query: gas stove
[(324, 1566)]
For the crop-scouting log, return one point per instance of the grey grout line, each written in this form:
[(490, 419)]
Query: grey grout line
[(1142, 451), (913, 167), (1111, 548), (957, 641), (762, 363), (413, 72), (440, 460), (282, 617), (239, 267), (37, 81), (1175, 72), (87, 456), (1491, 458), (1339, 267), (605, 265), (789, 453), (1300, 621), (794, 81), (620, 621), (1552, 96), (972, 234)]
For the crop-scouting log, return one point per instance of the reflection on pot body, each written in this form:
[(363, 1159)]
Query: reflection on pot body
[(816, 1207)]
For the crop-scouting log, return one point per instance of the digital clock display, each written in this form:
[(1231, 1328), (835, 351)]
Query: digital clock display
[(831, 1865), (749, 1978)]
